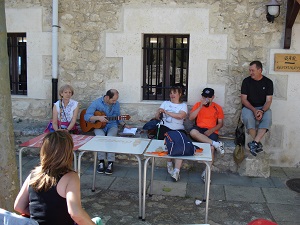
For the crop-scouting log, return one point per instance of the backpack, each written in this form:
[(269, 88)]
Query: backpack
[(151, 128), (178, 144)]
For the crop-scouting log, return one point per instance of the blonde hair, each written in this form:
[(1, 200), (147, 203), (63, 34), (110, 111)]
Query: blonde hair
[(65, 87), (56, 158)]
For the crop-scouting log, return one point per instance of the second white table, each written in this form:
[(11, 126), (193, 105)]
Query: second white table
[(122, 145)]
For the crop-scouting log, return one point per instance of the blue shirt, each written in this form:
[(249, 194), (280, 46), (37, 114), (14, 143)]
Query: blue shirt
[(109, 110)]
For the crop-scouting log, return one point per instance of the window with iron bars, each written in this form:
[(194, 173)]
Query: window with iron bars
[(165, 64), (17, 56)]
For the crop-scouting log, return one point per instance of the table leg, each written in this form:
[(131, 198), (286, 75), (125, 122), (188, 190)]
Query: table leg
[(79, 162), (75, 160), (152, 176), (207, 188), (21, 166), (94, 175), (140, 185), (145, 187)]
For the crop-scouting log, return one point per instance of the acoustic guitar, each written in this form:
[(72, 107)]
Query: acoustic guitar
[(88, 126)]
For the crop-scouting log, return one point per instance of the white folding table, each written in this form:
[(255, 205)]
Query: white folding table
[(122, 145), (158, 145), (37, 143)]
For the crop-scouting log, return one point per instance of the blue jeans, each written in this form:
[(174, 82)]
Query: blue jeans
[(250, 122)]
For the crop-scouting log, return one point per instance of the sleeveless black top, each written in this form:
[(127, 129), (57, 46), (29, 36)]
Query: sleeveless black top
[(49, 208)]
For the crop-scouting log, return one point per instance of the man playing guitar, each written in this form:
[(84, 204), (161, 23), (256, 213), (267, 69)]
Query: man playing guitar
[(109, 105)]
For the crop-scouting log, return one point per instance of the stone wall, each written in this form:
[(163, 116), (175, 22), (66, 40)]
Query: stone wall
[(225, 37)]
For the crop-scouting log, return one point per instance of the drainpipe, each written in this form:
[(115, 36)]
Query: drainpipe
[(54, 50)]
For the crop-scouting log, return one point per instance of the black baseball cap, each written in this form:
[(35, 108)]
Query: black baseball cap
[(208, 92)]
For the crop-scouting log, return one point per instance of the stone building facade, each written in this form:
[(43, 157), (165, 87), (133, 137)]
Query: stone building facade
[(100, 47)]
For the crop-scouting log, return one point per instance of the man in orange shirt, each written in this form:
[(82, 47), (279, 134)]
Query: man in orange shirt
[(209, 119)]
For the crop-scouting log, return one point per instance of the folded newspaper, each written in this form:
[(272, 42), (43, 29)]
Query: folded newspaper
[(128, 132)]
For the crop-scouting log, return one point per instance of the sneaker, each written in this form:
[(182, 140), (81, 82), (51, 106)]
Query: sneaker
[(220, 149), (259, 148), (175, 175), (253, 145), (109, 169), (170, 168), (203, 176), (101, 166)]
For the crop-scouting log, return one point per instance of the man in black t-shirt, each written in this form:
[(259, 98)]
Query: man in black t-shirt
[(256, 96)]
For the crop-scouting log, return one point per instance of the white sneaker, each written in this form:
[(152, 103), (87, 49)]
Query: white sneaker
[(175, 175), (221, 149), (203, 175), (170, 168)]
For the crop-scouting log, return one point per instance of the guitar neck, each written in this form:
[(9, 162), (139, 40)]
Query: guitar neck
[(110, 118)]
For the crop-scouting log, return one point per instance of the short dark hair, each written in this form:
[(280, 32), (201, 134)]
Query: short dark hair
[(111, 93), (258, 64), (179, 90)]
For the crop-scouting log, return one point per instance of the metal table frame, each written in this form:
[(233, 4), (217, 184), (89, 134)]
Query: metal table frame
[(37, 143), (122, 145), (204, 157)]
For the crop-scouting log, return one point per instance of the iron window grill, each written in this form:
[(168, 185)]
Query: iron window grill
[(17, 56), (165, 64)]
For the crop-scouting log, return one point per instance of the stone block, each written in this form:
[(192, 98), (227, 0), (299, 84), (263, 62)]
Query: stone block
[(258, 166)]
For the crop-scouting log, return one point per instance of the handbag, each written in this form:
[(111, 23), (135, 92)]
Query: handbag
[(178, 144), (238, 154), (240, 133), (151, 127), (49, 127)]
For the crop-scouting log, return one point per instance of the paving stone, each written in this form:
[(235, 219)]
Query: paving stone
[(281, 196), (231, 179), (102, 181), (244, 194), (125, 184), (291, 172), (279, 182), (262, 182), (169, 188), (195, 177), (277, 172), (197, 190), (285, 214)]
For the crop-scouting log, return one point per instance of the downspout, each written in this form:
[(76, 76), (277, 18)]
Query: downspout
[(54, 50)]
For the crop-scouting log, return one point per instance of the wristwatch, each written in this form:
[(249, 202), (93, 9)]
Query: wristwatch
[(263, 110)]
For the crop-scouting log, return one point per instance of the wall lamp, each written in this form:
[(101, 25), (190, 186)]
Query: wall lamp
[(273, 10)]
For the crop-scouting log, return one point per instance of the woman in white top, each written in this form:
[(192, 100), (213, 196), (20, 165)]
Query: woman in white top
[(65, 110), (172, 114)]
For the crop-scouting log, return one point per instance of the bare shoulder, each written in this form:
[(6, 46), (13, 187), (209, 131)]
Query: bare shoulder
[(69, 177)]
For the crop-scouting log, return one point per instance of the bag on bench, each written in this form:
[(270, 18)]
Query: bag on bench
[(178, 144), (240, 134), (151, 127)]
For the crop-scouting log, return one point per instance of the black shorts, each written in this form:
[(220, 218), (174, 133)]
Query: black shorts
[(213, 136)]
